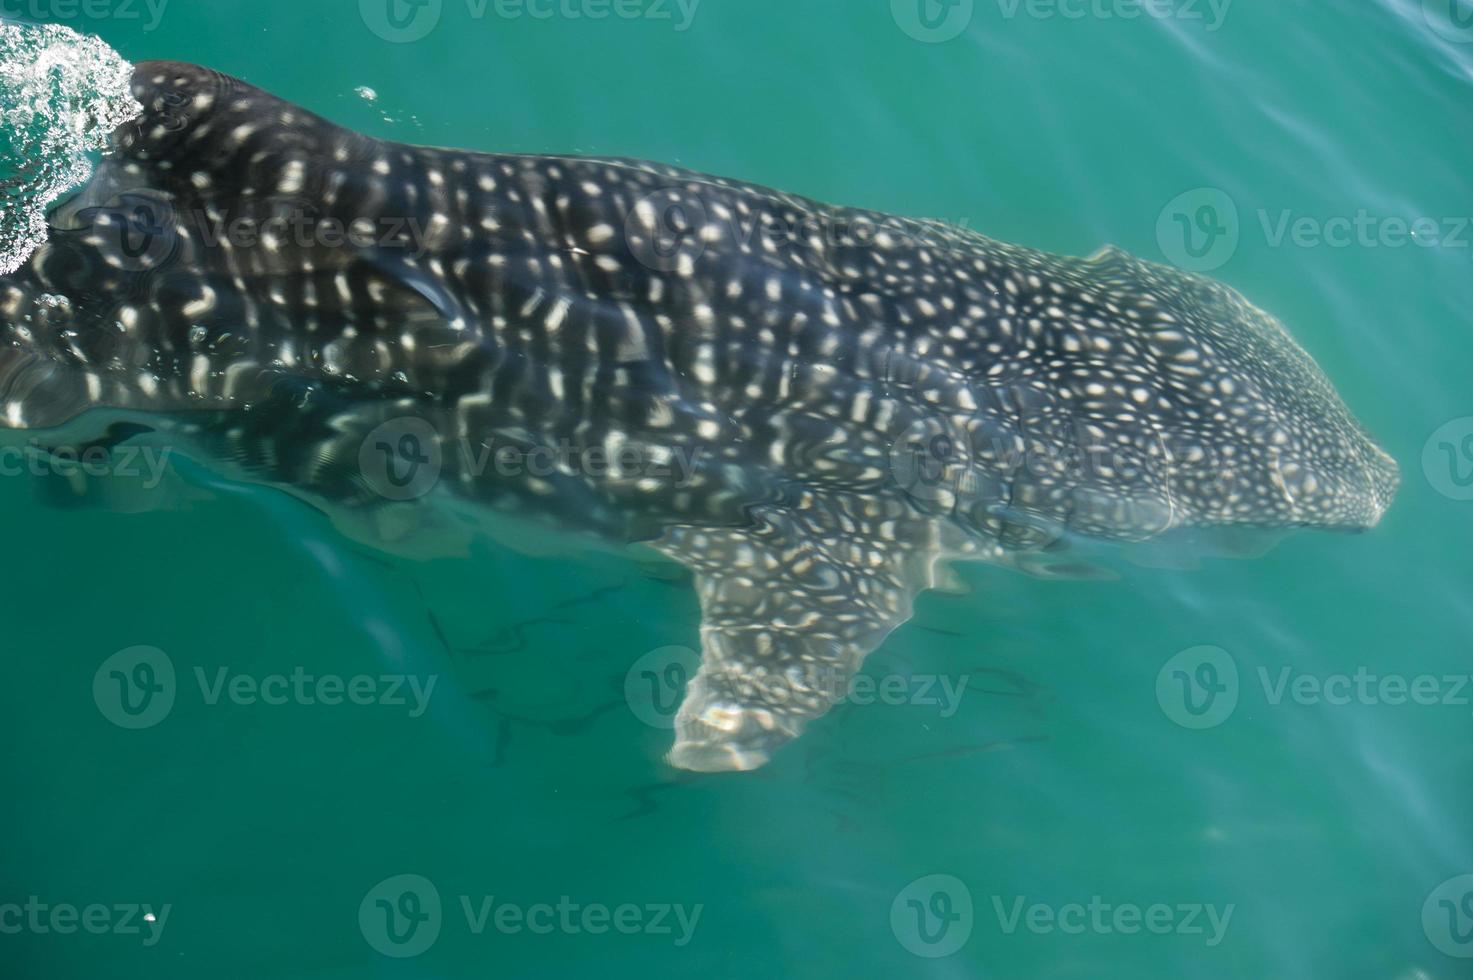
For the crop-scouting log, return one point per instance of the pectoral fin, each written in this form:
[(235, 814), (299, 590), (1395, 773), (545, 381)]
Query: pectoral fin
[(790, 606)]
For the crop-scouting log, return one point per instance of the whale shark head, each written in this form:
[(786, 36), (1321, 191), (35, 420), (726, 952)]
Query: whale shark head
[(1237, 391), (1173, 402)]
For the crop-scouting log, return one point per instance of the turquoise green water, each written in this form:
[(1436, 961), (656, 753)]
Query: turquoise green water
[(1335, 834)]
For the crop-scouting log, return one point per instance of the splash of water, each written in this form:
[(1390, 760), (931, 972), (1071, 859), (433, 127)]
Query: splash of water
[(61, 96)]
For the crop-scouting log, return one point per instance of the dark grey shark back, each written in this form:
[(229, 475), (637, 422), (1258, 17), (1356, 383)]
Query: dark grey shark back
[(808, 406)]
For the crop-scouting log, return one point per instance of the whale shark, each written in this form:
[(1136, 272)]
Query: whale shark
[(814, 409)]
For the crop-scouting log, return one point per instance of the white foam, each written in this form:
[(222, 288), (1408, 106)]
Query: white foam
[(61, 96)]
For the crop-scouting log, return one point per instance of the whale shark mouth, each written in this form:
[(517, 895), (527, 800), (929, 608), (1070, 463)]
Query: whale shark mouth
[(811, 408)]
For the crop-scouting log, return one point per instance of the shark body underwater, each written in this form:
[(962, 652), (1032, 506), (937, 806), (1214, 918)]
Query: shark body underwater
[(832, 412)]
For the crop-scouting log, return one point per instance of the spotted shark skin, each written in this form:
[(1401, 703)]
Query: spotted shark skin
[(856, 398)]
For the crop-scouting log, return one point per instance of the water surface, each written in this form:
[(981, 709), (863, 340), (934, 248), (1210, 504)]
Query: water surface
[(1060, 779)]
